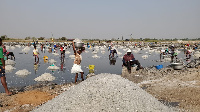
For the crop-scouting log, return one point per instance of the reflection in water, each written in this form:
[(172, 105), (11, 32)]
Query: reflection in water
[(62, 64), (36, 66), (112, 60)]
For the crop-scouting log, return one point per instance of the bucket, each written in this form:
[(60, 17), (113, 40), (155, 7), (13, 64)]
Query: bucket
[(159, 67), (5, 58), (91, 67), (45, 57), (91, 71)]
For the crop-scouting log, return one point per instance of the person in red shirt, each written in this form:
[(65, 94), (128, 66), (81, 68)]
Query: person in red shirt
[(129, 60), (62, 51)]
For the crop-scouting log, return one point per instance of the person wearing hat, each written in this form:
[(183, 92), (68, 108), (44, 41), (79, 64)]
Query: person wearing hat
[(112, 52), (129, 60)]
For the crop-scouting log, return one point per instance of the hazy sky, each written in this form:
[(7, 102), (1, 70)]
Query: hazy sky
[(100, 19)]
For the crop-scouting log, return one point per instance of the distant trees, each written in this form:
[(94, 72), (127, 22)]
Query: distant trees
[(41, 38), (33, 38), (4, 37), (63, 38), (27, 38)]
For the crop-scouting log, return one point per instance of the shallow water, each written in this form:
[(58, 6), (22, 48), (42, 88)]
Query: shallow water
[(102, 65)]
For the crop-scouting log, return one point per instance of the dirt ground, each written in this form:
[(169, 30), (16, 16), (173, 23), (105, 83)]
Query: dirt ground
[(177, 88), (30, 98)]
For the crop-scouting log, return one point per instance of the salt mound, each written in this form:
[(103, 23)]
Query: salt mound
[(102, 48), (56, 54), (119, 53), (102, 52), (9, 68), (135, 51), (23, 72), (67, 52), (145, 56), (9, 62), (54, 67), (45, 77), (72, 56), (26, 49), (95, 56), (94, 52), (86, 51), (18, 46), (7, 47), (52, 61), (104, 92), (12, 47)]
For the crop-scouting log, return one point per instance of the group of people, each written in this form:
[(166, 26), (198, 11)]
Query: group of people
[(128, 59)]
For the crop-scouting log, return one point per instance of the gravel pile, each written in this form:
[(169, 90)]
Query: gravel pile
[(104, 92)]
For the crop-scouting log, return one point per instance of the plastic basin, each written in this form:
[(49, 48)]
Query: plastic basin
[(159, 67)]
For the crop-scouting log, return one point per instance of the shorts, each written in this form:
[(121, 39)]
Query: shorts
[(10, 53), (36, 56), (76, 69), (2, 71)]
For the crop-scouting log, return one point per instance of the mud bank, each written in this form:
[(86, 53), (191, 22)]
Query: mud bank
[(178, 88), (29, 97)]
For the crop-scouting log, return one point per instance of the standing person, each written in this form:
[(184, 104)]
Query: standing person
[(77, 61), (2, 70), (129, 60), (4, 50), (64, 49), (35, 53), (61, 51)]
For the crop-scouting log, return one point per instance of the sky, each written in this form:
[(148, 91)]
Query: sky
[(100, 19)]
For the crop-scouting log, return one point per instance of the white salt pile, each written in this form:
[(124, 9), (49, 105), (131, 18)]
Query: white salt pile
[(7, 47), (9, 68), (102, 52), (56, 54), (95, 56), (23, 72), (26, 49), (9, 62), (119, 53), (53, 67), (52, 61), (135, 51), (94, 52), (145, 56), (18, 46), (86, 51), (104, 92), (67, 52), (167, 59), (72, 56), (45, 77), (12, 47)]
